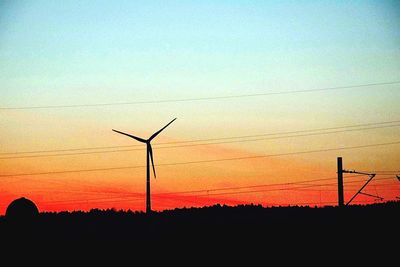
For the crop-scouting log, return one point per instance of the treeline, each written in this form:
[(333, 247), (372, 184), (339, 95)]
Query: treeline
[(220, 223)]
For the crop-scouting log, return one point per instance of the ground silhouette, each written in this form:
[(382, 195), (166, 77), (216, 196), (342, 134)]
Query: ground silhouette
[(224, 224)]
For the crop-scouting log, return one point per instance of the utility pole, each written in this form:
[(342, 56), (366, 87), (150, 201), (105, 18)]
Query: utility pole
[(340, 181), (340, 172)]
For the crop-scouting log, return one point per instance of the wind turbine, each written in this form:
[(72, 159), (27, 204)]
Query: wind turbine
[(149, 155)]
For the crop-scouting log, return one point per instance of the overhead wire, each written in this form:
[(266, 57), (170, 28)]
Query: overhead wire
[(193, 145), (138, 196), (207, 140), (325, 89), (373, 126), (205, 161)]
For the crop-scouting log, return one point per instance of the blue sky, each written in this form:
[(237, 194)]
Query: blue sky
[(78, 52), (187, 48)]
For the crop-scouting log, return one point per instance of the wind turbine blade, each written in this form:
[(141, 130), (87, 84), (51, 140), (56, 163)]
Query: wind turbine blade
[(152, 160), (159, 131), (132, 136)]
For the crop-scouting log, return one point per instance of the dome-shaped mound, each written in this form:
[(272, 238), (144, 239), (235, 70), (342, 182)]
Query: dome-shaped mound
[(22, 209)]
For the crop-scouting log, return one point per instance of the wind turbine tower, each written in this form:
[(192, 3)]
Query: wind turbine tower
[(149, 156)]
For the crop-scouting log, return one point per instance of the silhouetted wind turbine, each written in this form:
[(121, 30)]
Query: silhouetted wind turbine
[(149, 154)]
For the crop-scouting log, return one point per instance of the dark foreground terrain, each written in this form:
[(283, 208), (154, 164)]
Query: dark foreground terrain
[(216, 225)]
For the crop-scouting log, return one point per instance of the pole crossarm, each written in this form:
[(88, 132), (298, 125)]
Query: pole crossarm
[(356, 172)]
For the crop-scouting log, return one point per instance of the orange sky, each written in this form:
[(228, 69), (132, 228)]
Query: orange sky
[(225, 181)]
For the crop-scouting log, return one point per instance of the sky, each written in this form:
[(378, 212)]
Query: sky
[(83, 53)]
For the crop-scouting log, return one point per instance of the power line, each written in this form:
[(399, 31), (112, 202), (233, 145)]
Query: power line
[(258, 191), (380, 172), (141, 195), (209, 139), (126, 194), (132, 194), (241, 187), (201, 98), (275, 189), (289, 135), (136, 195), (335, 190), (112, 199), (202, 195), (205, 161), (163, 195), (244, 187), (193, 145), (255, 186), (387, 174), (204, 190)]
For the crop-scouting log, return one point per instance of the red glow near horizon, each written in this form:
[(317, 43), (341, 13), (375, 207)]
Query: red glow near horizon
[(280, 195)]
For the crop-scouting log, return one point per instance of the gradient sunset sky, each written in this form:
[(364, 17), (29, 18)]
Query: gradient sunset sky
[(106, 52)]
